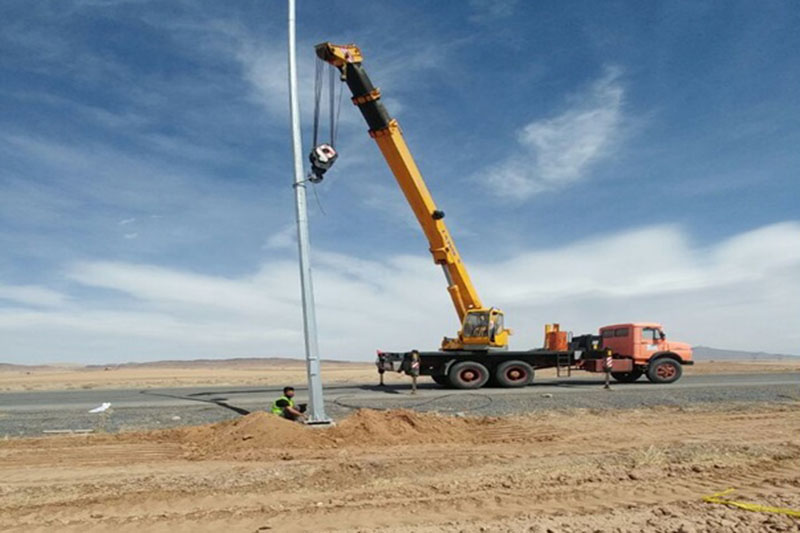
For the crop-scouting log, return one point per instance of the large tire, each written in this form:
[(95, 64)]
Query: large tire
[(664, 370), (627, 377), (444, 381), (468, 375), (513, 374)]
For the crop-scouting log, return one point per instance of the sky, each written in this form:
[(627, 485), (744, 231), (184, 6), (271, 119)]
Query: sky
[(598, 164)]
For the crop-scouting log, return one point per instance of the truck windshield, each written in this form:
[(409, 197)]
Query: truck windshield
[(650, 334)]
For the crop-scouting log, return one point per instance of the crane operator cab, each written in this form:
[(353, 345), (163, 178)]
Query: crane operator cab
[(482, 329)]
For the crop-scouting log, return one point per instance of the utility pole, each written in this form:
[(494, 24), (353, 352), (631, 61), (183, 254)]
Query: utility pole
[(316, 402)]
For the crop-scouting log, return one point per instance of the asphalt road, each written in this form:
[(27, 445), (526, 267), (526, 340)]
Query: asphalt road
[(35, 413)]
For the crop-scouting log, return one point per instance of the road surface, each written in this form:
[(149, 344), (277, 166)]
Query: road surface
[(36, 413)]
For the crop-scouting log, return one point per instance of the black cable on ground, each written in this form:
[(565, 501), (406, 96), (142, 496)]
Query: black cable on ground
[(219, 402), (487, 402)]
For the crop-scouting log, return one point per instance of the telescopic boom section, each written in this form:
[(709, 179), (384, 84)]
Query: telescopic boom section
[(387, 134)]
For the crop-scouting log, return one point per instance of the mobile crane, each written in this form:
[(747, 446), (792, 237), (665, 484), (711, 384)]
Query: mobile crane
[(479, 352), (482, 328)]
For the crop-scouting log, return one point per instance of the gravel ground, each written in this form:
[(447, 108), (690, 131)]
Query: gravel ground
[(33, 421)]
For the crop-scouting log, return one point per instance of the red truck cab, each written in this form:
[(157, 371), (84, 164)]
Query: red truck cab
[(653, 355)]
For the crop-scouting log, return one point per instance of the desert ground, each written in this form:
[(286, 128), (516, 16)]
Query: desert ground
[(573, 470), (253, 372), (401, 471), (262, 373)]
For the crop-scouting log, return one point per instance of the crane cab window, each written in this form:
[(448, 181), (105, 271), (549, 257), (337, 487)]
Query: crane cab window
[(476, 325), (496, 326), (498, 323), (621, 332), (608, 333)]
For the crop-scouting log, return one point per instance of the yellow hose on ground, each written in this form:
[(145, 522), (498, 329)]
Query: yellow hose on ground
[(755, 507)]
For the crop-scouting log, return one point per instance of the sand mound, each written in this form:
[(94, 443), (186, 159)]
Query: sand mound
[(264, 435), (400, 426), (256, 431)]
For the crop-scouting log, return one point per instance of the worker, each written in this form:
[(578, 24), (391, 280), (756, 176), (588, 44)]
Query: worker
[(285, 406)]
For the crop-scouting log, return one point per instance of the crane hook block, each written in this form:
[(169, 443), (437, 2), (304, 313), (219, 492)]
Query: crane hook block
[(322, 158)]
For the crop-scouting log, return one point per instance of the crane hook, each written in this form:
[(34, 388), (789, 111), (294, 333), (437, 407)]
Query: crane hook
[(322, 158)]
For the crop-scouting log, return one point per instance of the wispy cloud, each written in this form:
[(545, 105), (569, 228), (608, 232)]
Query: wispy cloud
[(714, 296), (555, 152), (484, 10), (282, 239), (197, 206), (30, 295)]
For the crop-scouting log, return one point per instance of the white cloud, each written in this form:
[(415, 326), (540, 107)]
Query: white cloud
[(558, 151), (31, 295), (284, 238), (164, 288), (717, 295), (265, 68), (487, 10)]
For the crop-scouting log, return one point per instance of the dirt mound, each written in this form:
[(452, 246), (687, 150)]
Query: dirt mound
[(400, 426), (264, 435), (254, 432)]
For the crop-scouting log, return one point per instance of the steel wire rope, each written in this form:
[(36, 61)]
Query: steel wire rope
[(334, 110), (317, 97)]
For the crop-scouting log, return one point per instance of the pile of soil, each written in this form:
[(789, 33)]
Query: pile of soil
[(256, 431), (264, 435), (400, 426)]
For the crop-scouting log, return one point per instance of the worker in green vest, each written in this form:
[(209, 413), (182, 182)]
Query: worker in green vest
[(285, 406)]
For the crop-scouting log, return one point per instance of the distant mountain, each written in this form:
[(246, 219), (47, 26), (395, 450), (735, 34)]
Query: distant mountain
[(15, 367), (239, 362), (704, 353), (235, 361)]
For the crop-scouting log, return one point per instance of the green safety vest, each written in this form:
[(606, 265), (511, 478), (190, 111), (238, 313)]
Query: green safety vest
[(276, 410)]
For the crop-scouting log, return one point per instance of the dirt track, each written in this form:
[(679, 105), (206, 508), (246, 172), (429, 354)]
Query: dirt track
[(634, 470)]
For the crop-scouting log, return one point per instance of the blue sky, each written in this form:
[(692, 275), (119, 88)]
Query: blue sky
[(597, 163)]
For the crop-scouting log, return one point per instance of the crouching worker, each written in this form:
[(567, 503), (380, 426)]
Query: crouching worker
[(285, 406)]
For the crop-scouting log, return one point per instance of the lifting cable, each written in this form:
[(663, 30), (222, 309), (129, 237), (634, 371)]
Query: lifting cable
[(323, 154)]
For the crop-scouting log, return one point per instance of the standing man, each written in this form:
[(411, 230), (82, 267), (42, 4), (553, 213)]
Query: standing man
[(285, 406)]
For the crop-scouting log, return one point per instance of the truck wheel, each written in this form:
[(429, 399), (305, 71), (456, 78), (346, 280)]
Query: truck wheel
[(514, 374), (664, 370), (627, 377), (468, 375), (444, 381)]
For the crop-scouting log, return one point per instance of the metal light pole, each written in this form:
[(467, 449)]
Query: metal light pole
[(316, 403)]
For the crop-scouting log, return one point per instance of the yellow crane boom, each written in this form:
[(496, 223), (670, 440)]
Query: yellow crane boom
[(482, 328)]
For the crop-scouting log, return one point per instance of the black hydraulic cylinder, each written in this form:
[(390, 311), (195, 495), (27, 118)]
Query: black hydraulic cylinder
[(360, 85)]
